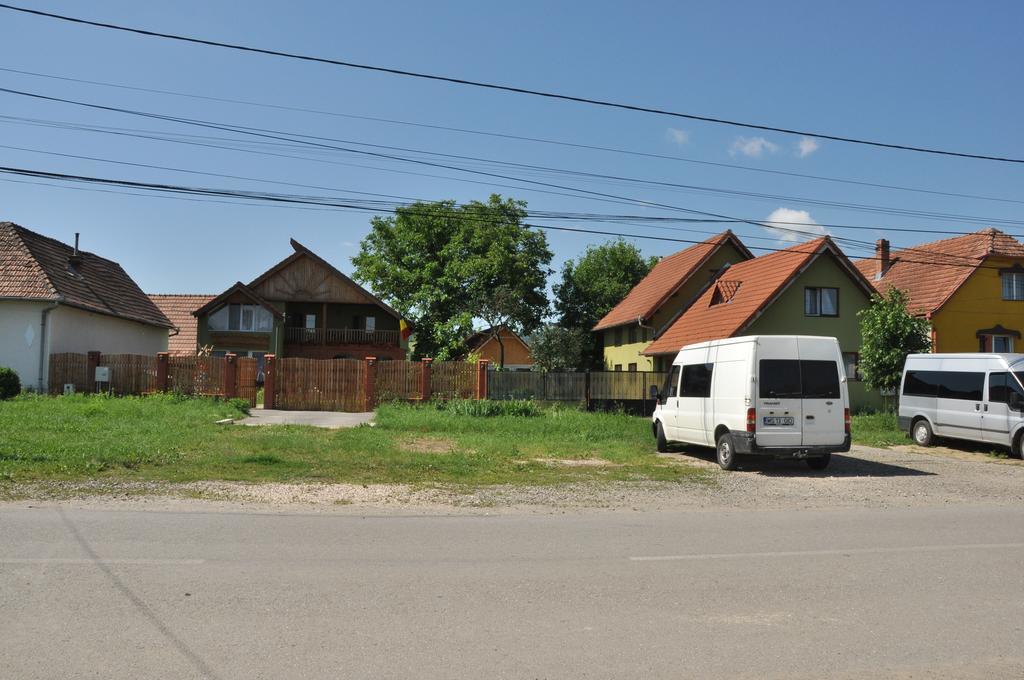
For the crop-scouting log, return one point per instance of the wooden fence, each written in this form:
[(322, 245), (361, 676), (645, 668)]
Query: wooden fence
[(69, 369), (399, 380), (595, 389), (453, 380), (319, 384)]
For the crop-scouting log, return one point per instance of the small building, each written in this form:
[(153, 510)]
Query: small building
[(970, 288), (56, 298), (667, 291), (808, 289), (502, 347), (178, 308), (301, 307)]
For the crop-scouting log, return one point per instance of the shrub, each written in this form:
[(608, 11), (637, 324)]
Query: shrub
[(10, 384), (484, 408)]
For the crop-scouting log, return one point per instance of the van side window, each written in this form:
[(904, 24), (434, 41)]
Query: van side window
[(957, 385), (1000, 385), (696, 380), (921, 384), (778, 379), (672, 387)]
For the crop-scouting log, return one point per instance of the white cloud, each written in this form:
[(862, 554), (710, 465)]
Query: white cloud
[(801, 221), (806, 146), (678, 136), (755, 147)]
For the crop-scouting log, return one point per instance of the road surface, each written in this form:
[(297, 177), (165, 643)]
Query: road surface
[(843, 593)]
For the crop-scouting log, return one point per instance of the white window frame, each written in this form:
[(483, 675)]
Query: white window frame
[(813, 294), (1012, 285)]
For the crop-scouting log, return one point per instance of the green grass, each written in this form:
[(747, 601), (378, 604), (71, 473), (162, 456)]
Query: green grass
[(878, 430), (175, 439)]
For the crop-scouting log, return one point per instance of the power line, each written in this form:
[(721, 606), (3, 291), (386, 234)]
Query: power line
[(521, 138), (303, 139), (509, 88)]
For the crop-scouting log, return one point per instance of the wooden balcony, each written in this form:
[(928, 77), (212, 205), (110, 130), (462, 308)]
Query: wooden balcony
[(339, 336)]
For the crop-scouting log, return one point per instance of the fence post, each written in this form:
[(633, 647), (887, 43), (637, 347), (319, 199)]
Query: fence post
[(425, 378), (92, 362), (369, 383), (230, 375), (269, 380), (481, 379), (161, 371)]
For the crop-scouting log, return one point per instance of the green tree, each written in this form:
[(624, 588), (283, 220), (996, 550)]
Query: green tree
[(889, 332), (595, 283), (555, 348), (442, 265)]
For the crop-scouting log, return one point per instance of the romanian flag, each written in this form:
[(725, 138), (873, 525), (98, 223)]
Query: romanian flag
[(404, 329)]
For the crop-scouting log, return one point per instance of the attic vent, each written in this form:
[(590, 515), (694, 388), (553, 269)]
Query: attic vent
[(725, 291)]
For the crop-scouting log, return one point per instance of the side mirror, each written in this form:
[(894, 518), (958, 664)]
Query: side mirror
[(654, 393)]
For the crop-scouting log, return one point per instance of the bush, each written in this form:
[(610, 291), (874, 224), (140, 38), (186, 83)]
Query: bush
[(485, 408), (10, 383)]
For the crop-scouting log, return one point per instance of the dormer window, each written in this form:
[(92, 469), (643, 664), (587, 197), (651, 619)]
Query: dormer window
[(242, 318)]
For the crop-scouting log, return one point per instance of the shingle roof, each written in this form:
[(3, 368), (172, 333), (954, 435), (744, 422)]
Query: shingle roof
[(36, 267), (664, 279), (930, 273), (752, 285), (178, 309)]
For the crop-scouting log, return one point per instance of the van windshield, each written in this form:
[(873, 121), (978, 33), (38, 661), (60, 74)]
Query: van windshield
[(794, 379)]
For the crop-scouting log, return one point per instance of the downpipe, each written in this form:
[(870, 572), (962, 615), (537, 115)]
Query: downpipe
[(43, 341)]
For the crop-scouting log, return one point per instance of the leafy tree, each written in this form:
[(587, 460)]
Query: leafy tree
[(888, 334), (556, 348), (595, 283), (442, 265)]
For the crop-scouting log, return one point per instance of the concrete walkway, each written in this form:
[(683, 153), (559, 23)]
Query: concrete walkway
[(329, 419)]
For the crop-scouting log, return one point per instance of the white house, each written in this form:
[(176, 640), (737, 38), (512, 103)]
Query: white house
[(55, 298)]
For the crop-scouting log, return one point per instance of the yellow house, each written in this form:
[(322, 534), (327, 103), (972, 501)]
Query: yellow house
[(665, 293), (971, 288)]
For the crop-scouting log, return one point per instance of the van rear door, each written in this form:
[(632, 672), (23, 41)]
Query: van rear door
[(823, 408), (777, 399)]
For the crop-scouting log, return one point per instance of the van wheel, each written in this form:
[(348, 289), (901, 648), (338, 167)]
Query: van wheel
[(726, 454), (659, 435), (1017, 450), (922, 433), (819, 463)]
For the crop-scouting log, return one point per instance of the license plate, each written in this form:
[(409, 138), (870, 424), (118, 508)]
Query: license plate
[(778, 420)]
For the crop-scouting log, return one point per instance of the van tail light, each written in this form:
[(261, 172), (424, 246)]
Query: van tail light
[(846, 420), (751, 420)]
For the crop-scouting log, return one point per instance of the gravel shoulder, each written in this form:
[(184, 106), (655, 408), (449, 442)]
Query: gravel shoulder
[(866, 477)]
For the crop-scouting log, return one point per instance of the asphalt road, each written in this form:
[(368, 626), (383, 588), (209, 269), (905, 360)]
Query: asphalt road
[(907, 593)]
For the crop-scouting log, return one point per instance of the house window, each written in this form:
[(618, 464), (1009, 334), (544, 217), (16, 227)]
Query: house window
[(995, 343), (821, 302), (244, 318), (851, 361), (632, 368), (618, 367), (632, 334), (310, 321), (1013, 285), (371, 324)]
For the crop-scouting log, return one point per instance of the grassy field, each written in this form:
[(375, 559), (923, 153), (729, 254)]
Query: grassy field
[(176, 439), (877, 429)]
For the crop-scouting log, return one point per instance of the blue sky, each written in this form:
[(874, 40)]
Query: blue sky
[(938, 74)]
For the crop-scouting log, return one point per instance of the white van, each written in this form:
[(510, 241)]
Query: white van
[(978, 397), (777, 395)]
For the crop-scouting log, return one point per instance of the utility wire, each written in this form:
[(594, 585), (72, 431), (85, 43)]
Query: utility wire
[(507, 88), (521, 138)]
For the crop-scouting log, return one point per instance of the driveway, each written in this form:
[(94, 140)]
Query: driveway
[(329, 419)]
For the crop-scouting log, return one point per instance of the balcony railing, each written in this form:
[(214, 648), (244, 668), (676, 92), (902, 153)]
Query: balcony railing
[(339, 336)]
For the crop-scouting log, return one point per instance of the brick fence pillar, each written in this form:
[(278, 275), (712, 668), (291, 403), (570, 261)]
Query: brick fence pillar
[(481, 379), (269, 380), (370, 383), (425, 378), (92, 362), (230, 375), (162, 359)]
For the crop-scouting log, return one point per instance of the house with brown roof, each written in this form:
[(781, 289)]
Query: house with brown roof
[(667, 291), (57, 298), (808, 289), (183, 339), (301, 307), (970, 288), (502, 347)]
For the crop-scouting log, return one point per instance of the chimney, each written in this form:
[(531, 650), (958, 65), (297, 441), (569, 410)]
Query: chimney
[(881, 258), (75, 258)]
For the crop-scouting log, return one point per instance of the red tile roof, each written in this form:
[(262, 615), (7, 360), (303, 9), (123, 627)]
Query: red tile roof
[(752, 286), (930, 273), (664, 279), (36, 267), (179, 308)]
